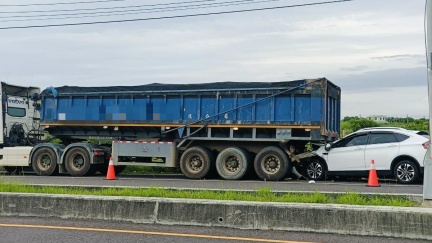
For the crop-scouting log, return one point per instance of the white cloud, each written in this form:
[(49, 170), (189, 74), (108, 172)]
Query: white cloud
[(363, 46), (396, 102)]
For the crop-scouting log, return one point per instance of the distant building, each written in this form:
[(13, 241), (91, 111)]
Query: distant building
[(379, 119)]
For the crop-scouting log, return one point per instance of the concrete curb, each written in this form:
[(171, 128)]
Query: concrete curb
[(341, 219)]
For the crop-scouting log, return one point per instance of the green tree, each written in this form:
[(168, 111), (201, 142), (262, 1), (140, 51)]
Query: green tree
[(353, 124)]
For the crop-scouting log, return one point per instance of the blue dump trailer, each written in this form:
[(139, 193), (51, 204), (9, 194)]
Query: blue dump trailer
[(232, 128)]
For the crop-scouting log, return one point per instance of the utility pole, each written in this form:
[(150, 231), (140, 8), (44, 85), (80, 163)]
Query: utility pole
[(427, 182)]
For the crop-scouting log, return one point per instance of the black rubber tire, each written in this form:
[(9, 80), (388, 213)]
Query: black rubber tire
[(406, 172), (315, 169), (232, 163), (196, 162), (44, 162), (77, 162), (272, 164)]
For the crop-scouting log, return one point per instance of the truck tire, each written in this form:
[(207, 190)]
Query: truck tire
[(196, 162), (77, 162), (232, 163), (44, 162), (271, 164)]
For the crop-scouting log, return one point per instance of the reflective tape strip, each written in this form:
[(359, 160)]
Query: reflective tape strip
[(142, 142)]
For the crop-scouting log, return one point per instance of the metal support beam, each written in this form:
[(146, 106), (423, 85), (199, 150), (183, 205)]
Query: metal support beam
[(427, 182)]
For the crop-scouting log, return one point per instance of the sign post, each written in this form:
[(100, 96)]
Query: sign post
[(427, 182)]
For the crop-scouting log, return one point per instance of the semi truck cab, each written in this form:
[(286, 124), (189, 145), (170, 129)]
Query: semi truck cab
[(19, 115)]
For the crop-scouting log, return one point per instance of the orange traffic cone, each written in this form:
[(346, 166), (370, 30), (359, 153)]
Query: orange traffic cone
[(111, 173), (373, 178)]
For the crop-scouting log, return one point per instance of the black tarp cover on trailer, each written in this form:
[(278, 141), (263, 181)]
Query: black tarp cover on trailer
[(158, 87)]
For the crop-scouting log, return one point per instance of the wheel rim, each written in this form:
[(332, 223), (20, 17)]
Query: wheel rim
[(314, 170), (194, 163), (271, 164), (78, 161), (44, 162), (405, 172), (231, 164)]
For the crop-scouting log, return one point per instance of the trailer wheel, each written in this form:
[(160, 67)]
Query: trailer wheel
[(271, 164), (232, 163), (196, 162), (44, 162), (77, 162)]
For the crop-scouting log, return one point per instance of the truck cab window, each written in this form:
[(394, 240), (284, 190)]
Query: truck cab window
[(16, 112)]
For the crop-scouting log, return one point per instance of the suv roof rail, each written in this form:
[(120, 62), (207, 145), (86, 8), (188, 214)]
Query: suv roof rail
[(377, 128)]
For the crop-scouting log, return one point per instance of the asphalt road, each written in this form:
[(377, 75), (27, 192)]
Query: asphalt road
[(24, 230), (179, 181)]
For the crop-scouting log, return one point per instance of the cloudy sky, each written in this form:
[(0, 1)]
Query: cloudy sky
[(373, 49)]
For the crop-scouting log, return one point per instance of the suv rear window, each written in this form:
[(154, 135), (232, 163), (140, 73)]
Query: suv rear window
[(401, 137), (378, 138)]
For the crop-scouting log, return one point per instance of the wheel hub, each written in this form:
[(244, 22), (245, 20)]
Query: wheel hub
[(314, 170), (45, 161), (196, 163), (272, 164), (78, 161), (233, 163), (405, 172)]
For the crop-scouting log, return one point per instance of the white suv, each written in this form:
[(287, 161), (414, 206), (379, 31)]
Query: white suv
[(397, 153)]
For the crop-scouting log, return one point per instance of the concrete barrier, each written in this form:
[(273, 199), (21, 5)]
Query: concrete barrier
[(342, 219)]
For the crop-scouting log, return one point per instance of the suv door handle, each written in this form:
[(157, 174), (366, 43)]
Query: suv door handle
[(392, 145), (359, 148)]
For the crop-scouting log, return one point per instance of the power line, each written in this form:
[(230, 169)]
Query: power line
[(132, 10), (171, 17), (136, 11), (51, 4), (105, 8)]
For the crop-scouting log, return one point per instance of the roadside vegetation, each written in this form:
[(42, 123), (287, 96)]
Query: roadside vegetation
[(260, 195), (150, 170), (353, 123)]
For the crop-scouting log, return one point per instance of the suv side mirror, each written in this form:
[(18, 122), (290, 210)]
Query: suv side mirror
[(327, 147)]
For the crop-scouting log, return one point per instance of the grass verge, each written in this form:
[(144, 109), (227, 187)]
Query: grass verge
[(260, 195), (144, 170)]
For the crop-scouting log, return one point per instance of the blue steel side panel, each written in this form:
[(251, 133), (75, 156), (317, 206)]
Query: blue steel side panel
[(245, 113), (208, 106), (49, 110), (227, 103), (283, 111), (303, 108), (317, 109), (159, 108), (172, 109), (263, 109), (333, 114), (190, 108)]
